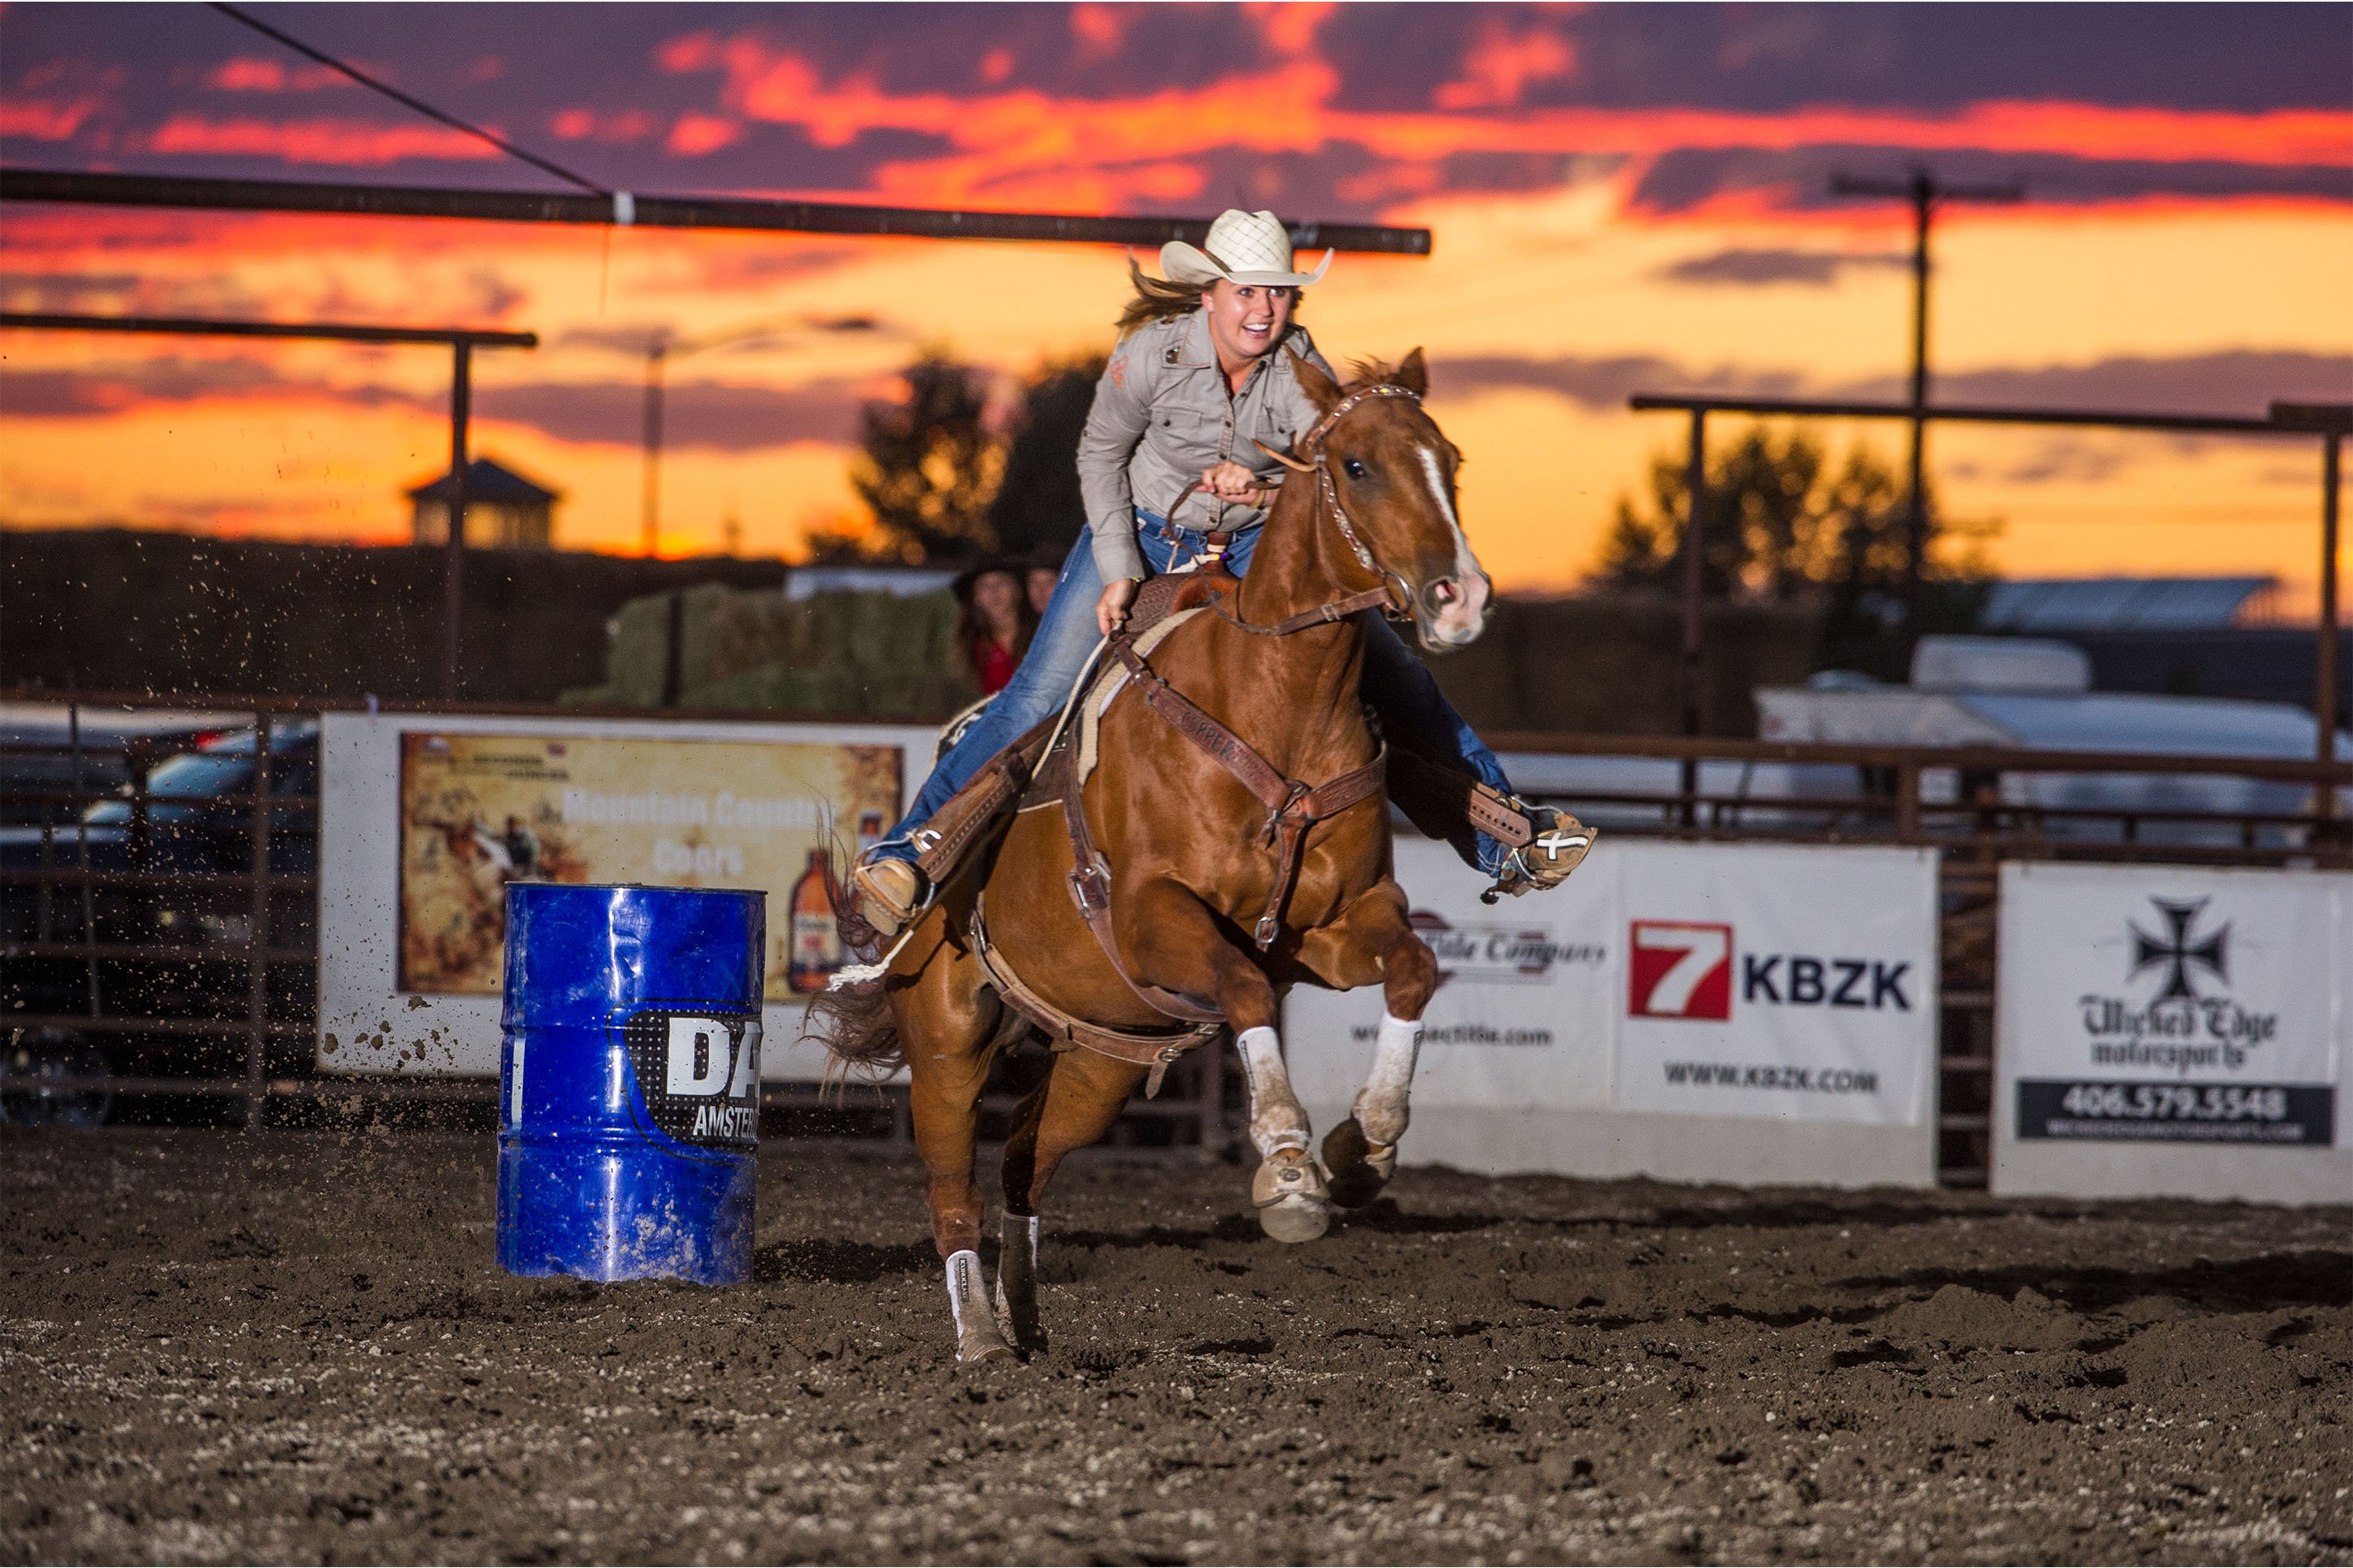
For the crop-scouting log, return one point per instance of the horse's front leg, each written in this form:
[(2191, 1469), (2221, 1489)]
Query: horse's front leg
[(946, 1026), (1175, 942), (1373, 941)]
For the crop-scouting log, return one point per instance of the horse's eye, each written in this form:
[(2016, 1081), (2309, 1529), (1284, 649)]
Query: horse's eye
[(1355, 469)]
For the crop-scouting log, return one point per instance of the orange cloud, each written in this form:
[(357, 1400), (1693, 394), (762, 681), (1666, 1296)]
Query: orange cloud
[(1500, 65), (316, 141), (1289, 26), (1011, 139)]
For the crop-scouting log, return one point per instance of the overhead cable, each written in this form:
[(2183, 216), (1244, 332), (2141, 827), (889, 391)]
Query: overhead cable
[(361, 76)]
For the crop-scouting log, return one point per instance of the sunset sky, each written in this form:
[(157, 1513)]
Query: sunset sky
[(1623, 197)]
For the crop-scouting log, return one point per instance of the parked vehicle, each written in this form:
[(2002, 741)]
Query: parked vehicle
[(57, 748), (163, 923)]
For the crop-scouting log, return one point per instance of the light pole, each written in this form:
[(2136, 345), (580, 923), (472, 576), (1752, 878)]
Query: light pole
[(664, 349), (1922, 191)]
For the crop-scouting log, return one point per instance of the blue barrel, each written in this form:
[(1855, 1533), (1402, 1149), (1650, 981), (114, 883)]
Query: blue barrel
[(629, 1084)]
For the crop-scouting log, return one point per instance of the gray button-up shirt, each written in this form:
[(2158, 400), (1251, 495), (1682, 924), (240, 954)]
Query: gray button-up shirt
[(1161, 414)]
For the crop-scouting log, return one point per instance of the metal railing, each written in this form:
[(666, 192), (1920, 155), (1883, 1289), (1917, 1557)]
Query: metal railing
[(132, 973)]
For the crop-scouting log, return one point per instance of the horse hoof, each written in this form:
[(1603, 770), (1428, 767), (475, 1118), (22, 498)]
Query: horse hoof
[(982, 1343), (1296, 1219), (1358, 1168)]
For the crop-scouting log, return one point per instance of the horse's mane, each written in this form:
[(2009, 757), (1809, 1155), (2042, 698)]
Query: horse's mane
[(1365, 373)]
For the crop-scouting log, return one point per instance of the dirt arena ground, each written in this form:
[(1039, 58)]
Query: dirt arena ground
[(299, 1349)]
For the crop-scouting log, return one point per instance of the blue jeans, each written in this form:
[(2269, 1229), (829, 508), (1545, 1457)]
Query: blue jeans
[(1395, 683)]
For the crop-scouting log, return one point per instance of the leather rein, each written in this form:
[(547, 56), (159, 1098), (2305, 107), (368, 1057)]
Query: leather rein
[(1292, 805)]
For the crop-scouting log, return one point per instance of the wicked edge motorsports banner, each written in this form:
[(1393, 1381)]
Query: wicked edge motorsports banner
[(2172, 1004), (1773, 982)]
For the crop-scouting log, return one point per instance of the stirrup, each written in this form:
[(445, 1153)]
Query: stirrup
[(1557, 844), (881, 907)]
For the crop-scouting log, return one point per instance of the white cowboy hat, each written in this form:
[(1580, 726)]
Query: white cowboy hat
[(1242, 248)]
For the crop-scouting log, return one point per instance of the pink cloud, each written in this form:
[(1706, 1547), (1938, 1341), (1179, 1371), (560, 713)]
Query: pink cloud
[(584, 124), (252, 74), (697, 134), (1501, 64), (46, 122), (316, 141), (690, 52)]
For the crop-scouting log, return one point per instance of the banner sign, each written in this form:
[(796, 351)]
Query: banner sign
[(1774, 981), (2162, 1002), (477, 811), (425, 819)]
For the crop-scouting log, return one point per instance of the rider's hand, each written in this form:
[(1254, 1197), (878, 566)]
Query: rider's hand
[(1230, 482), (1110, 610)]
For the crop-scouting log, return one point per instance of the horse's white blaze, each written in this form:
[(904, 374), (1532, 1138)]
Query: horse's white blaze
[(1462, 620)]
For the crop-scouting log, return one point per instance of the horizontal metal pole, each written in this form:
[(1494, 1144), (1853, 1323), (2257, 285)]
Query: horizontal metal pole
[(1549, 742), (335, 332), (163, 802), (1991, 758), (647, 211), (65, 874), (1967, 414), (221, 952), (114, 1023)]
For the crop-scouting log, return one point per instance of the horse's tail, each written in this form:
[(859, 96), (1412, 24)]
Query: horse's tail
[(855, 1025), (853, 1020)]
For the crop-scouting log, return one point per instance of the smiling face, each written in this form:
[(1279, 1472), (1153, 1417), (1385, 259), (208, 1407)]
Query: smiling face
[(1246, 319)]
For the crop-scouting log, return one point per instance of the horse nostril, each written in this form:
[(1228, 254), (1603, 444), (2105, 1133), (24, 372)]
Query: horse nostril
[(1444, 591)]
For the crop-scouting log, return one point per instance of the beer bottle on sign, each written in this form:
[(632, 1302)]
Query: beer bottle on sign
[(817, 946), (870, 830)]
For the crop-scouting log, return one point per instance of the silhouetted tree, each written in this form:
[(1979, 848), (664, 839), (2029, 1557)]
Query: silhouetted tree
[(1038, 511), (1781, 524), (927, 467)]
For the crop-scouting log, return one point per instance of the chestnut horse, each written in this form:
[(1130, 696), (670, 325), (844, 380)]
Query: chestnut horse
[(1220, 896)]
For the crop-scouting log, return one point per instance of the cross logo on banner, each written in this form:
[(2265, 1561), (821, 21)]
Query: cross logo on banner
[(1679, 969)]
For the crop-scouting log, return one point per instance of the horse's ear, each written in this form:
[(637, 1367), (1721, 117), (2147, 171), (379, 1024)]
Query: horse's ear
[(1321, 389), (1413, 375)]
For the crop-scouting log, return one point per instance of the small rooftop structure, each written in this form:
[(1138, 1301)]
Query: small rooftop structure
[(503, 510), (2126, 604)]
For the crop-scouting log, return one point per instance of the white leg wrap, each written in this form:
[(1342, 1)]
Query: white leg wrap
[(964, 1284), (1382, 1103), (1276, 1119)]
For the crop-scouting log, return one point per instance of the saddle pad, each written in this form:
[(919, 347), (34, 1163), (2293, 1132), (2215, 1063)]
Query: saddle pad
[(1107, 685)]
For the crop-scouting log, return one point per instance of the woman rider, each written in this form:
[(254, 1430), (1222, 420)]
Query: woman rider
[(1202, 371)]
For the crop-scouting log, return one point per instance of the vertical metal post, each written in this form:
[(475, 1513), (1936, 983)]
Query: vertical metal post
[(2324, 703), (1915, 503), (257, 943), (650, 541), (1694, 591), (82, 841), (453, 556)]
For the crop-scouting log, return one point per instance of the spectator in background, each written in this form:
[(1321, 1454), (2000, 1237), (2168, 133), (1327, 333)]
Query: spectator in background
[(994, 617), (1045, 569)]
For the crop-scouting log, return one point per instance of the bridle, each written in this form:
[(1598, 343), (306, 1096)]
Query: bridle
[(1392, 597)]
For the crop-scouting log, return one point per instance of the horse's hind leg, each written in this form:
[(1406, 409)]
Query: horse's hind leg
[(1076, 1105), (1177, 944), (949, 1028), (1373, 941)]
